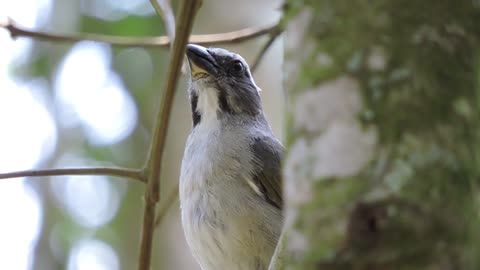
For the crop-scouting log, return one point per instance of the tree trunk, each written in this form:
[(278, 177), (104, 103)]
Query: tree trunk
[(383, 163)]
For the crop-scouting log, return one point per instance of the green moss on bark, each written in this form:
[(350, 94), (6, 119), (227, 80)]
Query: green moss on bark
[(415, 206)]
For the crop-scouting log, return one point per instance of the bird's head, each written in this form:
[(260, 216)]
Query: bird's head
[(221, 84)]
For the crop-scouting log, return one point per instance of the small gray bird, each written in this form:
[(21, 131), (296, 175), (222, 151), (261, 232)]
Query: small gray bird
[(230, 182)]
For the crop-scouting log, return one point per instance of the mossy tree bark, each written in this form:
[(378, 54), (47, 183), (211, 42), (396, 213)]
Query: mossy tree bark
[(383, 161)]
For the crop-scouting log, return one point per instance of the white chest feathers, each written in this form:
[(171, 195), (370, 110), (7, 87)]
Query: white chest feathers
[(226, 224), (207, 106)]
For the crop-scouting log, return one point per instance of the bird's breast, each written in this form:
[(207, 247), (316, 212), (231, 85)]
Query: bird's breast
[(224, 220)]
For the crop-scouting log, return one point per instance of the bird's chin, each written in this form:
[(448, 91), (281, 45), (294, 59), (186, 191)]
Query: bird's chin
[(203, 80), (200, 76)]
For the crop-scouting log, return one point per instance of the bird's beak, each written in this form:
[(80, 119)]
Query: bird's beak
[(200, 61)]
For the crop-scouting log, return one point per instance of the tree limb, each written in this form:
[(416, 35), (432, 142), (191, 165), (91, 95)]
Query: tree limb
[(279, 256), (160, 41), (153, 167), (273, 36), (165, 206), (117, 172), (164, 10)]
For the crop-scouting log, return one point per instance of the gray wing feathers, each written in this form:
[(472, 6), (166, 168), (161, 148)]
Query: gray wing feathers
[(268, 155)]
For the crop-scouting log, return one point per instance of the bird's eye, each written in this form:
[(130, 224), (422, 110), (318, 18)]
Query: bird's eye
[(237, 67)]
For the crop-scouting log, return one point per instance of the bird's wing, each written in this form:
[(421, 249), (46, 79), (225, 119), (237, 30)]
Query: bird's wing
[(267, 177)]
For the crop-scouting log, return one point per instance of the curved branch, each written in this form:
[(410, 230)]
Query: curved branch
[(163, 8), (234, 36), (117, 172), (160, 41), (273, 36)]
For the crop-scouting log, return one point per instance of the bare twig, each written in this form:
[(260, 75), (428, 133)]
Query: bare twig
[(273, 36), (160, 41), (184, 27), (158, 9), (164, 10), (233, 37), (277, 262), (117, 172), (165, 206)]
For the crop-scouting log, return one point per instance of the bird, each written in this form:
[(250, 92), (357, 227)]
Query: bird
[(230, 180)]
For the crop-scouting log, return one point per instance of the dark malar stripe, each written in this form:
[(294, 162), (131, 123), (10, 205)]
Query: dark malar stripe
[(222, 100), (196, 117)]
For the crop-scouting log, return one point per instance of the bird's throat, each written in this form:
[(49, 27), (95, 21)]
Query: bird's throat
[(208, 106)]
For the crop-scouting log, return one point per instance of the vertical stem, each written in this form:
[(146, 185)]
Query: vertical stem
[(153, 167)]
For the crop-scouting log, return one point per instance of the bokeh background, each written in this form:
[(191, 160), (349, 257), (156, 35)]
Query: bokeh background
[(91, 104)]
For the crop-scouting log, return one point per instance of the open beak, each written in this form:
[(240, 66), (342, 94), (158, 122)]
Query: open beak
[(201, 61)]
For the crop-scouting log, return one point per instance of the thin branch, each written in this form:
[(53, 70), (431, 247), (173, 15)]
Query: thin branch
[(234, 36), (166, 205), (156, 6), (160, 41), (273, 36), (117, 172), (153, 167), (277, 262), (164, 10)]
